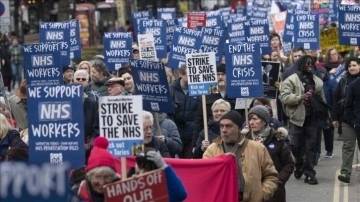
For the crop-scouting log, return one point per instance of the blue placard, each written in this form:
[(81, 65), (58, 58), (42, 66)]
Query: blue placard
[(117, 49), (34, 183), (181, 22), (213, 40), (43, 65), (151, 82), (185, 41), (240, 9), (170, 27), (56, 126), (136, 16), (213, 19), (235, 30), (340, 71), (158, 29), (68, 31), (333, 12), (349, 25), (307, 31), (257, 31), (288, 35), (166, 14), (243, 70)]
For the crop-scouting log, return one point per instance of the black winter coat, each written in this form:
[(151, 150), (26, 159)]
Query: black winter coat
[(213, 132), (159, 146), (352, 104), (11, 139)]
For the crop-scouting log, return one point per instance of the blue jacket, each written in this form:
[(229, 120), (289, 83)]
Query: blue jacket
[(171, 133), (11, 139), (176, 189), (186, 113)]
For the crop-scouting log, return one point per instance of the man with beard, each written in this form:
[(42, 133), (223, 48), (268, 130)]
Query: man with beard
[(220, 93)]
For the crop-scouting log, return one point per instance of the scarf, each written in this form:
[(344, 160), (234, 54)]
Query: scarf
[(261, 135)]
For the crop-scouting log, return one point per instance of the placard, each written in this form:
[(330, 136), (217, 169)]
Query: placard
[(349, 25), (158, 29), (121, 123), (307, 31), (117, 49), (147, 47), (271, 71)]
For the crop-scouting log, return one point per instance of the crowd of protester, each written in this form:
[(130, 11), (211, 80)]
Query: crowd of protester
[(285, 140)]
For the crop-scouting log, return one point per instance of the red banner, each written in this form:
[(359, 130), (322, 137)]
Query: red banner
[(205, 179), (147, 187), (196, 19)]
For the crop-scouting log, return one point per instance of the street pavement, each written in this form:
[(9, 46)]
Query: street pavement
[(329, 189)]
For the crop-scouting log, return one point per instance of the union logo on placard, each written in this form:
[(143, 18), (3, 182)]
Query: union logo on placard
[(244, 91)]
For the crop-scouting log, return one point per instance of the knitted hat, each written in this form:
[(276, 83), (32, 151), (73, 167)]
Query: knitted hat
[(262, 112), (221, 68), (99, 155), (235, 117), (68, 67)]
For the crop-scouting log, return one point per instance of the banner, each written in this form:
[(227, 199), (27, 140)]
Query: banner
[(307, 31), (271, 71), (28, 182), (196, 19), (170, 27), (166, 14), (136, 16), (117, 49), (213, 19), (349, 25), (150, 186), (147, 47), (257, 31), (56, 124), (201, 73), (330, 38), (151, 82), (235, 29), (121, 123), (42, 64), (243, 72), (158, 29), (68, 31), (213, 40), (185, 41), (221, 169)]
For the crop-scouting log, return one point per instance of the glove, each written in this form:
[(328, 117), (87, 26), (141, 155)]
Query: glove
[(156, 158)]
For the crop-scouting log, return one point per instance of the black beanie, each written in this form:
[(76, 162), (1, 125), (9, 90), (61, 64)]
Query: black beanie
[(68, 67), (235, 117), (221, 68)]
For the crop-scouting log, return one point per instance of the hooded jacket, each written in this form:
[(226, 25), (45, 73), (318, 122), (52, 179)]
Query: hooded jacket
[(291, 91)]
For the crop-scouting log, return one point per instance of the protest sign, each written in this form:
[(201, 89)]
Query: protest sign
[(288, 35), (271, 71), (56, 126), (242, 102), (349, 25), (213, 40), (319, 6), (240, 9), (243, 72), (28, 182), (306, 31), (182, 22), (201, 73), (121, 123), (170, 27), (166, 13), (278, 20), (213, 19), (147, 47), (196, 19), (333, 10), (150, 186), (340, 71), (68, 31), (329, 38), (117, 49), (151, 82), (257, 31), (185, 41), (43, 65), (158, 29), (136, 16), (235, 29)]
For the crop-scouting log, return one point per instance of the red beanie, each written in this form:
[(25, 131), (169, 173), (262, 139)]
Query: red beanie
[(99, 155)]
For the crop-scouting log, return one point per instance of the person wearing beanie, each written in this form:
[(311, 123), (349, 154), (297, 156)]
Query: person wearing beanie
[(68, 74), (257, 174), (100, 170), (275, 142), (274, 122)]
